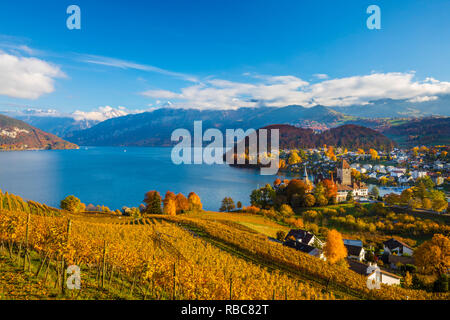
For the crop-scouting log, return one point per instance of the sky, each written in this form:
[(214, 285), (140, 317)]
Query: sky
[(133, 56)]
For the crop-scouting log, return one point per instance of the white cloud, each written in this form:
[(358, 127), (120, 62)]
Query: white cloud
[(98, 114), (287, 90), (26, 78), (122, 64), (423, 99), (321, 76), (101, 113)]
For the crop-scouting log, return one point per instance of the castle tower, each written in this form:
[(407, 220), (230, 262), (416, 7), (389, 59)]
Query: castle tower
[(344, 173)]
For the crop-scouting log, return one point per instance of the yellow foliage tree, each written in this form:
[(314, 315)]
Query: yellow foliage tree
[(374, 154), (294, 158), (195, 204), (433, 256), (423, 149), (170, 207), (334, 248)]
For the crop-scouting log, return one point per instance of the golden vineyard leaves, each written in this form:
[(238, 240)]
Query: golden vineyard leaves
[(162, 257), (343, 278)]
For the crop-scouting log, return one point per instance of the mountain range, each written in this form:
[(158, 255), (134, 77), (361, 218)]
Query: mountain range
[(18, 135), (154, 128), (389, 108)]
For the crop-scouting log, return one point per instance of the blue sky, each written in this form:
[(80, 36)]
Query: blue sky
[(220, 53)]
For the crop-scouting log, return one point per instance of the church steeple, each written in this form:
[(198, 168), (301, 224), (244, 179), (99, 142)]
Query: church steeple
[(305, 175)]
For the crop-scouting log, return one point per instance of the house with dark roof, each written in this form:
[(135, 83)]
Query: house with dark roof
[(392, 246), (305, 237), (374, 273), (355, 249), (304, 241)]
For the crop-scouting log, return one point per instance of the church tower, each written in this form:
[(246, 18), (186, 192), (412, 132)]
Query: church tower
[(344, 173), (305, 176)]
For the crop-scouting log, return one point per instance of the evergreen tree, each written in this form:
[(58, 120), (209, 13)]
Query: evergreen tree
[(153, 202)]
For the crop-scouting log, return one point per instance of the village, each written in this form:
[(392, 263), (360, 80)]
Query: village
[(418, 184), (393, 171)]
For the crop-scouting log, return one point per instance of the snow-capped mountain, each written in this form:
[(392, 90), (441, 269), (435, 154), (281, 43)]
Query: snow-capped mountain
[(61, 124)]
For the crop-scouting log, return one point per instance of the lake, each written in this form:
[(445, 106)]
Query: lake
[(115, 178)]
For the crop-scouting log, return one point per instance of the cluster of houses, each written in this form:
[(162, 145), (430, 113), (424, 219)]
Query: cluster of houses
[(405, 169), (400, 175), (418, 167), (395, 252)]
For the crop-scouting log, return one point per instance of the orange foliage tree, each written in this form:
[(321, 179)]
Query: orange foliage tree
[(195, 204), (334, 248), (330, 188), (182, 203), (433, 256), (170, 207)]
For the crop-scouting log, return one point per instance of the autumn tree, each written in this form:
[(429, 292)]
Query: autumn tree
[(263, 198), (294, 158), (72, 204), (239, 205), (195, 204), (330, 153), (321, 200), (392, 199), (227, 205), (407, 280), (433, 256), (439, 205), (374, 154), (182, 203), (334, 248), (330, 189), (153, 202), (277, 182), (375, 192), (406, 196), (286, 211), (170, 207), (170, 196), (309, 200), (298, 187)]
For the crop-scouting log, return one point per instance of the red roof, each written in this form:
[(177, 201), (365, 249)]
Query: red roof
[(345, 164)]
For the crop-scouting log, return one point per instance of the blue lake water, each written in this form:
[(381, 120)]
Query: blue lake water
[(109, 176), (115, 178)]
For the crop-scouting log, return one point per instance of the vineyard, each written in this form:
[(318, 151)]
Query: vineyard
[(162, 257), (157, 261), (12, 202)]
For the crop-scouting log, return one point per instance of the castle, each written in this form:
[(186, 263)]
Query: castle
[(344, 183)]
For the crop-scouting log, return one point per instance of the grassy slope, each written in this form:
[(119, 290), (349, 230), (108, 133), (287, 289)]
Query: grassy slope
[(254, 222)]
